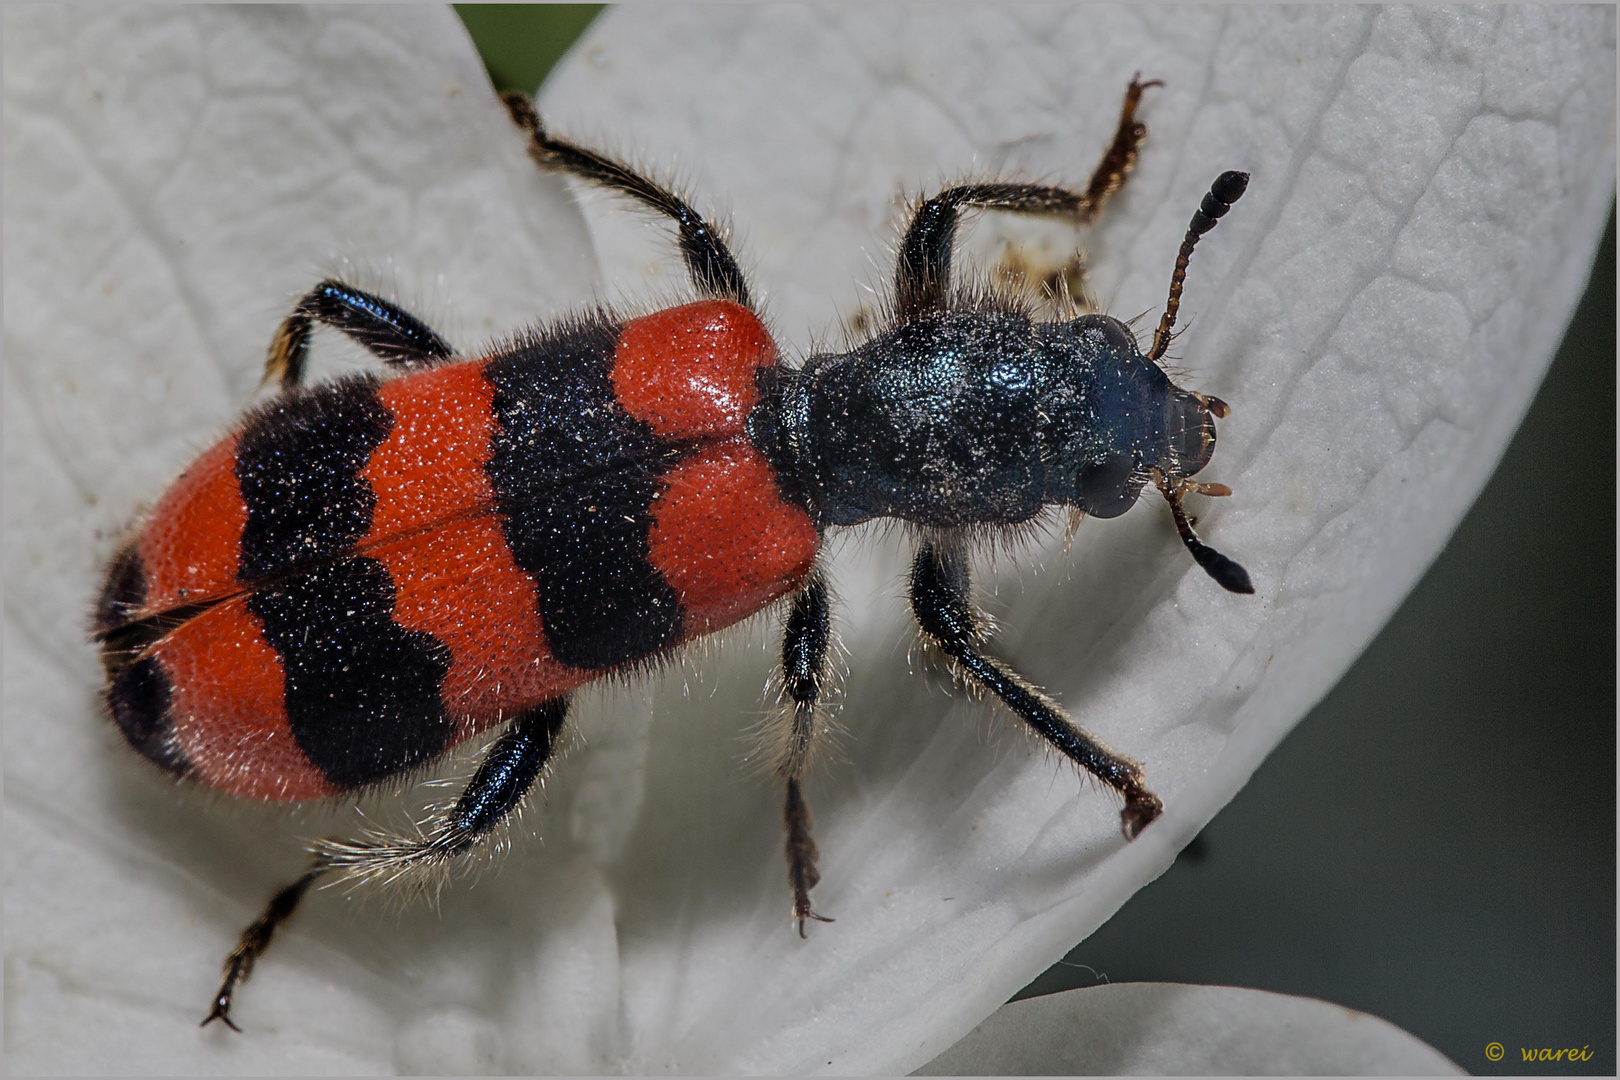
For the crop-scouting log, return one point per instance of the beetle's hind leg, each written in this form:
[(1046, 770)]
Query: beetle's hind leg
[(385, 329), (806, 645), (509, 768), (254, 941), (941, 600)]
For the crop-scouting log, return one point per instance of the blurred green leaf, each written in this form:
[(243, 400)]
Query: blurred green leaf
[(520, 43)]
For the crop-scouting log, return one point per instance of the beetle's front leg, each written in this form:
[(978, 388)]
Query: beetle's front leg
[(922, 278), (941, 601), (806, 643)]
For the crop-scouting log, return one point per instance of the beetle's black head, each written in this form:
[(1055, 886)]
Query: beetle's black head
[(1112, 416), (1113, 421)]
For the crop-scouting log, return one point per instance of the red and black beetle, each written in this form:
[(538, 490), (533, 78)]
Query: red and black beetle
[(367, 572)]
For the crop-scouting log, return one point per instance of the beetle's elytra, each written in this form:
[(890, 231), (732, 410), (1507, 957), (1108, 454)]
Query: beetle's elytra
[(367, 572)]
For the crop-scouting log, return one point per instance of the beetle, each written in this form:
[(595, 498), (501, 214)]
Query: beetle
[(367, 572)]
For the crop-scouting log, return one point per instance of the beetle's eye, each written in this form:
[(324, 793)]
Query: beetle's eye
[(1112, 332)]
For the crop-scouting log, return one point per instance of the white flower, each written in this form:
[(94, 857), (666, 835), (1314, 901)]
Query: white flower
[(1428, 187)]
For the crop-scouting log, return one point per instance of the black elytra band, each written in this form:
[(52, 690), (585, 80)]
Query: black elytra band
[(349, 667), (138, 699), (576, 478), (297, 466), (352, 672)]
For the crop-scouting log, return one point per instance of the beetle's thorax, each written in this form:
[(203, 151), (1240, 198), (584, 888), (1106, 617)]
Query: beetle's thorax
[(978, 417)]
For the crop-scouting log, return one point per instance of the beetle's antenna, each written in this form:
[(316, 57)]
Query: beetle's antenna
[(1227, 189), (1227, 574)]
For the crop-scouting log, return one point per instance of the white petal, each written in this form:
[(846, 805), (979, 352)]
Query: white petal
[(1378, 309), (1428, 188), (1167, 1029), (174, 179)]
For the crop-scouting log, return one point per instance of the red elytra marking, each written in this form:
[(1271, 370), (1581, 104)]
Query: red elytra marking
[(724, 538), (458, 582), (431, 466), (688, 372), (189, 547), (435, 531), (228, 708)]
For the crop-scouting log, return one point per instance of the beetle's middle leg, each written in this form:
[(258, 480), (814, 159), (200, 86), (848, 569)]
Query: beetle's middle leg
[(941, 600), (509, 768), (709, 262), (806, 644)]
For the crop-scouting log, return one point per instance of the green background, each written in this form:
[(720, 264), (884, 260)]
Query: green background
[(521, 42), (1435, 843)]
